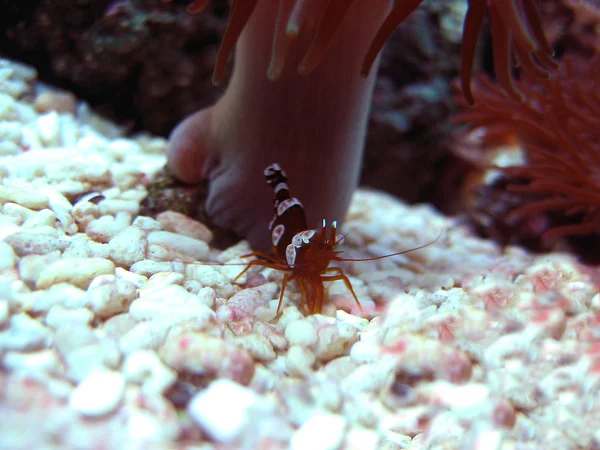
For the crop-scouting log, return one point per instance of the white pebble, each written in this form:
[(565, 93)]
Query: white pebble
[(223, 409), (595, 303), (57, 315), (147, 223), (209, 276), (4, 312), (8, 258), (27, 243), (138, 193), (121, 147), (18, 212), (85, 212), (258, 346), (112, 206), (62, 294), (195, 248), (182, 224), (299, 361), (335, 340), (362, 439), (83, 247), (22, 197), (35, 362), (129, 246), (72, 336), (171, 304), (61, 207), (148, 267), (8, 108), (25, 334), (163, 279), (143, 426), (31, 266), (86, 359), (44, 217), (150, 334), (48, 126), (134, 278), (359, 323), (193, 286), (110, 295), (98, 394), (146, 368), (301, 332), (76, 271), (10, 131), (322, 431), (366, 350), (8, 148), (105, 228)]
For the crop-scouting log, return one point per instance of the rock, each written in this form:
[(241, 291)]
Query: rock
[(148, 267), (28, 199), (299, 361), (195, 248), (245, 303), (105, 228), (362, 439), (4, 312), (257, 345), (335, 340), (114, 206), (27, 243), (161, 280), (322, 431), (146, 368), (209, 276), (129, 246), (31, 266), (183, 225), (48, 127), (146, 223), (223, 410), (44, 361), (145, 335), (201, 354), (25, 334), (110, 295), (301, 332), (61, 102), (61, 294), (8, 259), (171, 304), (98, 394), (58, 315), (359, 323), (77, 271)]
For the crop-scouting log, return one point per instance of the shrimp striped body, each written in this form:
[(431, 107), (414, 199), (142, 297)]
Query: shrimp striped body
[(303, 254)]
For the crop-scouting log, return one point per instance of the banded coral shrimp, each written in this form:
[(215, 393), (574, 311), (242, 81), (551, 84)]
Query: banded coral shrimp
[(304, 254)]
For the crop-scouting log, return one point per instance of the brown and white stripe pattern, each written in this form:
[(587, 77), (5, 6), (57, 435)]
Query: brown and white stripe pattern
[(289, 220)]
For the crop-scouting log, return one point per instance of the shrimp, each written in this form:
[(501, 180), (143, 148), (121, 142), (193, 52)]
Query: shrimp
[(304, 255)]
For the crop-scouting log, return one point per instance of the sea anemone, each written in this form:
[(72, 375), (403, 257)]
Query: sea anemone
[(300, 92), (558, 127)]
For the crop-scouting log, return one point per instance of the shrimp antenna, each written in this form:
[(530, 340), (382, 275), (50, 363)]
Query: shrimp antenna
[(374, 258)]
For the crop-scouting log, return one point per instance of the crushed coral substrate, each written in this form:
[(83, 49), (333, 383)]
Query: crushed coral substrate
[(114, 335)]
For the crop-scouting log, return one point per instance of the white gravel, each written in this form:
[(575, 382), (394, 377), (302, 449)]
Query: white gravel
[(98, 394), (114, 334)]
